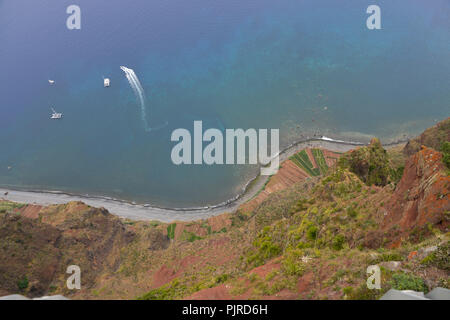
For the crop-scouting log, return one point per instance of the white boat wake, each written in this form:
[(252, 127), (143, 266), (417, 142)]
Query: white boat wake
[(139, 92)]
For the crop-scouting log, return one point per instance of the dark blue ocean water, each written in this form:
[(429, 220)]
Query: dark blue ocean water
[(303, 66)]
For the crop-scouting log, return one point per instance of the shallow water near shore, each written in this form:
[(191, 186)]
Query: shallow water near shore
[(305, 67)]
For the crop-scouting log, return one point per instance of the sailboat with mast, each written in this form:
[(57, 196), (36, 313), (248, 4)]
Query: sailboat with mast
[(55, 115)]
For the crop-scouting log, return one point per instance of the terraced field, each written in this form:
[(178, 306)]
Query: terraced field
[(303, 161), (303, 164)]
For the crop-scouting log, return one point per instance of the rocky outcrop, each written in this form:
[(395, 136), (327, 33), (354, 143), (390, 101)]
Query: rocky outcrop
[(433, 137), (370, 163), (421, 197)]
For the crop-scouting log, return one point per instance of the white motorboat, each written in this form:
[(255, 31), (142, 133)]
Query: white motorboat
[(106, 82), (51, 81)]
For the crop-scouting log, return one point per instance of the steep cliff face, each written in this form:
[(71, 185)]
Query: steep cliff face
[(39, 243), (29, 256), (422, 195)]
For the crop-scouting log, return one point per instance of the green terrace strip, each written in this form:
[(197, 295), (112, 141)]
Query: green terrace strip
[(171, 230), (320, 160), (301, 159)]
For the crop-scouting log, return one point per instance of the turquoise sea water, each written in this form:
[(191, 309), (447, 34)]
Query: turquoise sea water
[(303, 66)]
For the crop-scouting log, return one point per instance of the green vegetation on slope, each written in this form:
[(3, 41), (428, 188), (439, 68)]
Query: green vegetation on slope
[(372, 165), (171, 230), (190, 236), (9, 207)]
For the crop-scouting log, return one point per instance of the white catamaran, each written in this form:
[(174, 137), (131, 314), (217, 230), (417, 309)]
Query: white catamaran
[(56, 115)]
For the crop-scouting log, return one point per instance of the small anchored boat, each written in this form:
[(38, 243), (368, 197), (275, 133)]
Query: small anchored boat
[(56, 115), (51, 81)]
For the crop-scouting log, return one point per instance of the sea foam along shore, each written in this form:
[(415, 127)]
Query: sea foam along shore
[(134, 211)]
